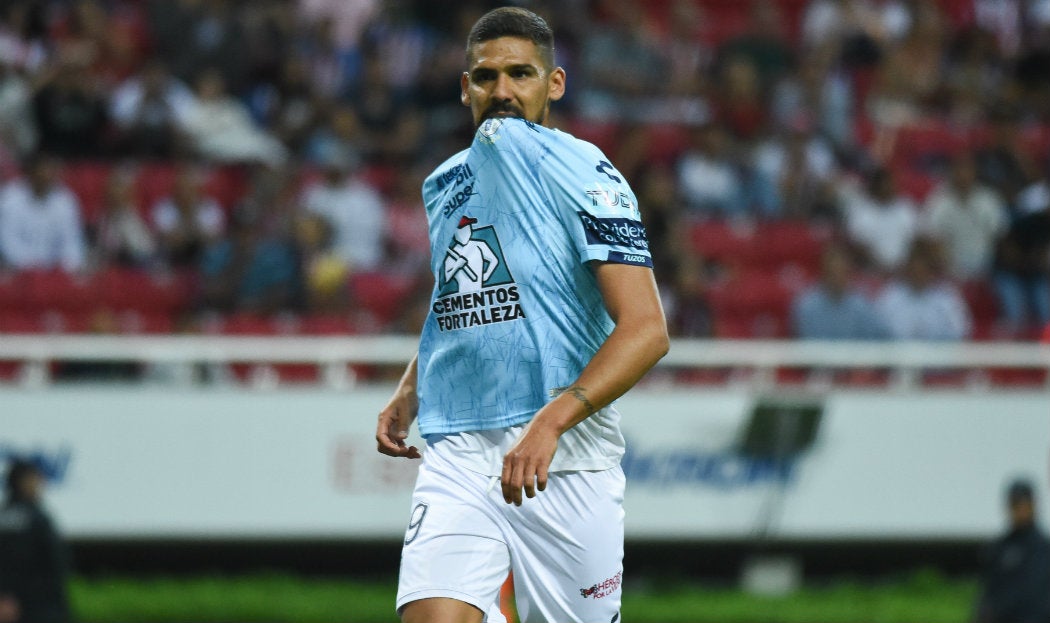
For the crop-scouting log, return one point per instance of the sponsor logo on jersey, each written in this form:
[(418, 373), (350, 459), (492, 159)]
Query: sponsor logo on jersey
[(604, 588), (454, 175), (489, 128), (475, 287), (602, 197), (620, 232)]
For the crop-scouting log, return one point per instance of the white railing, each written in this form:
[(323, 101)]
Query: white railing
[(758, 359)]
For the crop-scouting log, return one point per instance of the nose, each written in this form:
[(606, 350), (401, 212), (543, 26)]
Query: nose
[(502, 89)]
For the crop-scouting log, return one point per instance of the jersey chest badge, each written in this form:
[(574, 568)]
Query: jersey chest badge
[(475, 286)]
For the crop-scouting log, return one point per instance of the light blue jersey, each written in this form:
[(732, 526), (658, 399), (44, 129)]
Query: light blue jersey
[(516, 313)]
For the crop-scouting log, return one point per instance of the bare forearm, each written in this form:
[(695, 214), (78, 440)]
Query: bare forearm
[(629, 352)]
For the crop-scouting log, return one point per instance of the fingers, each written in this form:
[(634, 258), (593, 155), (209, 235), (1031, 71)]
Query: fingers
[(507, 481), (391, 434), (520, 476)]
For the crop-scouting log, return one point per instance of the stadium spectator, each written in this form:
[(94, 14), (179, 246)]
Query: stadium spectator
[(1004, 162), (40, 222), (802, 166), (739, 100), (967, 218), (976, 75), (121, 235), (390, 126), (354, 210), (408, 242), (17, 126), (195, 36), (147, 110), (880, 219), (921, 305), (324, 274), (187, 221), (333, 67), (821, 90), (1016, 567), (336, 139), (834, 308), (69, 108), (288, 106), (348, 18), (252, 270), (688, 59), (220, 127), (763, 44), (713, 183), (622, 65), (1022, 272), (858, 27), (34, 567), (687, 307), (909, 76)]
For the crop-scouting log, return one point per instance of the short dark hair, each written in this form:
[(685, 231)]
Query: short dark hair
[(513, 22), (17, 470)]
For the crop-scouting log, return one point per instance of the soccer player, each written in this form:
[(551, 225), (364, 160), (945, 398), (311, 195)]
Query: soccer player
[(544, 312)]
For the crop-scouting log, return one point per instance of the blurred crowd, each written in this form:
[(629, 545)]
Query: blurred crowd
[(273, 150)]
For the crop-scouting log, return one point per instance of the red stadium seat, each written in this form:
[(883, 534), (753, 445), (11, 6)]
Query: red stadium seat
[(251, 324), (87, 180), (45, 321), (56, 289), (930, 140), (778, 243), (603, 134), (227, 185), (329, 324), (124, 289), (731, 244), (18, 322), (12, 290), (154, 182), (134, 322), (380, 295), (666, 142)]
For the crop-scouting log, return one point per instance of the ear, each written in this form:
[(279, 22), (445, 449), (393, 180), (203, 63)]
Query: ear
[(556, 85), (464, 85)]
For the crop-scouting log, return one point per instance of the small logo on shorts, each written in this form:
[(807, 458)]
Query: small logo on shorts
[(604, 588)]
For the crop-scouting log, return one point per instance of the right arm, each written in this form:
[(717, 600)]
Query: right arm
[(397, 416)]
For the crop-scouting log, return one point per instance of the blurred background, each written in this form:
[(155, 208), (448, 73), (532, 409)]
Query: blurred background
[(214, 258)]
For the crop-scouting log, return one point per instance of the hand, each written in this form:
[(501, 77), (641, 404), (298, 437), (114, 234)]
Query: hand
[(394, 421), (525, 465)]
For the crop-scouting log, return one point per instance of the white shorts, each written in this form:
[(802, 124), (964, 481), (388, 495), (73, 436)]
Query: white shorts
[(565, 546)]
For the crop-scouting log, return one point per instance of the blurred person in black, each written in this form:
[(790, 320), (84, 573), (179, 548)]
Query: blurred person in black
[(1016, 582), (34, 565)]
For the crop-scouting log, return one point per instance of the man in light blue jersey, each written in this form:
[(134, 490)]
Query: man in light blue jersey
[(544, 312)]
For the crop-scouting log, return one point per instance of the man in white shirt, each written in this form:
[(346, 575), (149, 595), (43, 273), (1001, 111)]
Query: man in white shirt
[(355, 212), (881, 220), (921, 306), (40, 221), (967, 218)]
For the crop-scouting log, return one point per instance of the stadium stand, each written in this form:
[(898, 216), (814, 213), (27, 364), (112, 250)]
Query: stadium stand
[(752, 263)]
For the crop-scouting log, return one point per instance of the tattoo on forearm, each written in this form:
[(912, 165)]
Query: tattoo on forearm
[(577, 393)]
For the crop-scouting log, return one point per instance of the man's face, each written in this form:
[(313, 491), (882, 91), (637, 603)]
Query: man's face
[(1022, 512), (31, 486), (508, 78)]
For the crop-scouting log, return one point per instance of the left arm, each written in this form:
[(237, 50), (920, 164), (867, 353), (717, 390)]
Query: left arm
[(637, 342)]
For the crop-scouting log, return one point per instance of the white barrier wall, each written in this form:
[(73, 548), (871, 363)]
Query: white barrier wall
[(227, 462)]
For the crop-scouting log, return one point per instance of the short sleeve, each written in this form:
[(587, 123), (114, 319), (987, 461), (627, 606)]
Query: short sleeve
[(597, 204)]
